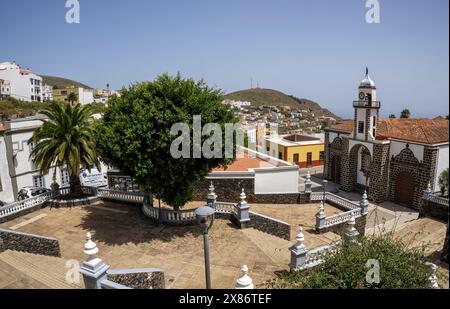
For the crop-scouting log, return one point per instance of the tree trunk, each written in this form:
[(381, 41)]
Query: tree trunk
[(75, 185)]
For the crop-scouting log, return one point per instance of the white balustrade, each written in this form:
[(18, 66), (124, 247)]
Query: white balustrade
[(24, 204)]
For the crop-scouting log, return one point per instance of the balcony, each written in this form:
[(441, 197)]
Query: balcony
[(375, 104)]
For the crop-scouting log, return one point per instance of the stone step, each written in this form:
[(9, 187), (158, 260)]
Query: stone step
[(48, 271), (273, 247)]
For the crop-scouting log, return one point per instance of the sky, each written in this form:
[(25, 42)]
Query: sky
[(315, 49)]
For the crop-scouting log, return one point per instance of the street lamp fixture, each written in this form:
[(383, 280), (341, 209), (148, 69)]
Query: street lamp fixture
[(205, 219)]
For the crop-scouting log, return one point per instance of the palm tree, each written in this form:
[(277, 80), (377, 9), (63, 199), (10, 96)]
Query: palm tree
[(65, 139), (72, 98)]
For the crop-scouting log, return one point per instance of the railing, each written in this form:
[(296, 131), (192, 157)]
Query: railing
[(341, 218), (431, 197), (169, 216), (375, 104), (333, 198), (226, 208), (316, 256), (133, 197), (24, 204)]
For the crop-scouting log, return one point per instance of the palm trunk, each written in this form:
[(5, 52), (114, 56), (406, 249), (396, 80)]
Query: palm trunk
[(75, 185)]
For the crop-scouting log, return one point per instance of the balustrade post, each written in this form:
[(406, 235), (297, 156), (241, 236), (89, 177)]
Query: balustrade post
[(298, 252), (364, 204), (148, 199), (433, 278), (244, 282), (320, 217), (351, 234), (243, 215), (94, 270), (308, 183), (212, 196)]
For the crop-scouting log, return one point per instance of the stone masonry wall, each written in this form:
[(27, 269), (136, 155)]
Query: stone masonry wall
[(378, 191), (138, 278), (227, 189), (16, 241), (269, 225), (282, 198), (435, 210)]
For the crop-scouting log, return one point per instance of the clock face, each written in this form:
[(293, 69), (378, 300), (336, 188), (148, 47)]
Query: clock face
[(362, 95)]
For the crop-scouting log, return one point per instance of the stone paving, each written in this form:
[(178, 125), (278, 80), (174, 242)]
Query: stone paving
[(129, 240)]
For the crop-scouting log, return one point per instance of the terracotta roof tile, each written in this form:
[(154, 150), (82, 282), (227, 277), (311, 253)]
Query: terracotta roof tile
[(2, 127), (427, 131)]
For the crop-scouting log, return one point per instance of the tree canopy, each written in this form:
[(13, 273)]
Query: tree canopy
[(135, 137), (405, 113), (65, 140)]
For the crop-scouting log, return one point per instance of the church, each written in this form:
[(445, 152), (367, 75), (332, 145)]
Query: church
[(392, 159)]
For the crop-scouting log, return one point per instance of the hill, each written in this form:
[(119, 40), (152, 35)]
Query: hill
[(269, 97), (59, 82)]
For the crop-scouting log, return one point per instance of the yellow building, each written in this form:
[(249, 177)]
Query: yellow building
[(84, 96), (302, 150)]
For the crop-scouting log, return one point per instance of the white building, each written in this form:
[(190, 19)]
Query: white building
[(47, 93), (16, 168), (23, 84)]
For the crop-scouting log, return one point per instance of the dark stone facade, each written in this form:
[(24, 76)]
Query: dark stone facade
[(383, 171), (227, 189), (269, 225), (138, 279), (16, 241)]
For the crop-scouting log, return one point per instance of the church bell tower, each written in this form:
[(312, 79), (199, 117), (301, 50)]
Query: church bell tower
[(367, 110)]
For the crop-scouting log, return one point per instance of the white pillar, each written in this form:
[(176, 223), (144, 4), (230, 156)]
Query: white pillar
[(298, 252), (94, 270), (244, 282)]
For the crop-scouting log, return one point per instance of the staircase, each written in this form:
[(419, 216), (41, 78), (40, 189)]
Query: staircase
[(26, 270)]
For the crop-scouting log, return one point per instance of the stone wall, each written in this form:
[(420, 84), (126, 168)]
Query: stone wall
[(434, 210), (378, 190), (283, 198), (138, 278), (16, 241), (269, 225), (422, 171), (227, 189)]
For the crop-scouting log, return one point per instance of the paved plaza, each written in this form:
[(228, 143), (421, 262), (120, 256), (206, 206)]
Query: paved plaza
[(127, 239)]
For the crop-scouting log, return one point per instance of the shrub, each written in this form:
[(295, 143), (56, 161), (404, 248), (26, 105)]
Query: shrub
[(443, 183), (400, 267)]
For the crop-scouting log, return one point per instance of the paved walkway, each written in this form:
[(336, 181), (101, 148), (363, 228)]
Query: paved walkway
[(132, 241)]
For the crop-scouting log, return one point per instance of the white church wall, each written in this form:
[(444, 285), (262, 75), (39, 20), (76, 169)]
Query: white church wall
[(442, 164)]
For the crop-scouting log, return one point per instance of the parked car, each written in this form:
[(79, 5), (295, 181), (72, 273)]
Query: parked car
[(2, 204), (28, 192)]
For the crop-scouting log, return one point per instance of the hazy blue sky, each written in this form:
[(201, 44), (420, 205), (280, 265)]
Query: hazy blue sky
[(317, 49)]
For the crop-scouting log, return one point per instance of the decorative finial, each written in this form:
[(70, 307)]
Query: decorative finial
[(244, 282), (321, 208), (365, 195), (211, 187), (367, 71), (90, 248), (300, 239), (243, 196)]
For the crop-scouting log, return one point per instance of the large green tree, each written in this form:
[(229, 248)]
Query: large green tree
[(65, 140), (443, 182), (135, 136)]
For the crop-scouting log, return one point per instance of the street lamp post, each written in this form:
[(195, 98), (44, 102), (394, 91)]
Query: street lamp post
[(324, 185), (205, 219)]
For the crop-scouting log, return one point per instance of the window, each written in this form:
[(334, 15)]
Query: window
[(280, 155), (361, 127), (322, 156), (309, 159), (39, 181), (65, 180), (296, 158), (375, 121)]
